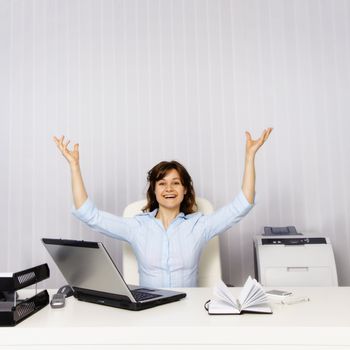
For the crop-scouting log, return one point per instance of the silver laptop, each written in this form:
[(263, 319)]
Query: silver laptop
[(94, 277)]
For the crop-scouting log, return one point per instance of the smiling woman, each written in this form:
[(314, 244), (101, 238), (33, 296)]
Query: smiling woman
[(170, 190), (170, 180), (169, 236)]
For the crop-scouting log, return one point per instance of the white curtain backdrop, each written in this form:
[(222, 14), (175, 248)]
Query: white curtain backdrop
[(139, 81)]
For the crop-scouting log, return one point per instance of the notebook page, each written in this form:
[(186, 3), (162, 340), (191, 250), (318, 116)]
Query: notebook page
[(259, 308), (222, 292), (261, 299), (248, 285), (221, 307), (254, 290), (255, 294)]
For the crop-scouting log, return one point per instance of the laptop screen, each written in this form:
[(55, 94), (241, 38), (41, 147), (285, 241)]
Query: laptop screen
[(87, 265)]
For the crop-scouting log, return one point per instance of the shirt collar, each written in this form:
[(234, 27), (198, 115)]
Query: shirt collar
[(154, 212)]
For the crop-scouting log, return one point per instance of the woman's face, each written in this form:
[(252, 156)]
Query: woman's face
[(169, 190)]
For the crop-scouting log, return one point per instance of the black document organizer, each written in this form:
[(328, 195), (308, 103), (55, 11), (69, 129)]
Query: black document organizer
[(13, 311)]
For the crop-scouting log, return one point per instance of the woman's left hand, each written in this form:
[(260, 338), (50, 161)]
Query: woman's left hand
[(252, 146)]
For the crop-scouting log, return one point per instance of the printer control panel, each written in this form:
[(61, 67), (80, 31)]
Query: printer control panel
[(293, 241)]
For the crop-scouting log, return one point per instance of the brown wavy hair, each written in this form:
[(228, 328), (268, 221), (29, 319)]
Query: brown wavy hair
[(158, 172)]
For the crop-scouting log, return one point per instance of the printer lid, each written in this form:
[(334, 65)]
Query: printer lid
[(291, 240)]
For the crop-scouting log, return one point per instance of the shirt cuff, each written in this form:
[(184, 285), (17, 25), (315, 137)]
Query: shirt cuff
[(83, 211), (243, 201)]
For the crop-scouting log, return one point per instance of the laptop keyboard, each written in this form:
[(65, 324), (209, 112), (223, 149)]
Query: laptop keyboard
[(141, 295)]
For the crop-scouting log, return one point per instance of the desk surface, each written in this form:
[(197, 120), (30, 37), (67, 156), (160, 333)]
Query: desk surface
[(324, 320)]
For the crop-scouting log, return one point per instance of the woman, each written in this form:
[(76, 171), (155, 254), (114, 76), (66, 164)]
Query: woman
[(169, 236)]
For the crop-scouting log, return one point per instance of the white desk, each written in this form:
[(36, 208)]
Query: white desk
[(322, 323)]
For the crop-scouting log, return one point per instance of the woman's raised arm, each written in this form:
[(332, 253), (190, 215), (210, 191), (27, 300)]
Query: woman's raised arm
[(252, 146), (72, 156)]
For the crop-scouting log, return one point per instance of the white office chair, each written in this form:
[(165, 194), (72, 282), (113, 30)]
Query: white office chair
[(209, 265)]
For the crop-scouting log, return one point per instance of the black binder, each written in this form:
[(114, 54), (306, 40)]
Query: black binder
[(13, 311)]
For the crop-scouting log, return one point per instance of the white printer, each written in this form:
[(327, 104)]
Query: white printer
[(293, 259)]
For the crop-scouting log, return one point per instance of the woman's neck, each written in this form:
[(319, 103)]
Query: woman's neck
[(166, 216)]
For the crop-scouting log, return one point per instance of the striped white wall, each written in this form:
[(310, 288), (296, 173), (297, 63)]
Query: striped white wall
[(139, 81)]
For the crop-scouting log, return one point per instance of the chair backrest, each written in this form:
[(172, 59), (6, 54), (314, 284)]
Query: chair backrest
[(209, 265)]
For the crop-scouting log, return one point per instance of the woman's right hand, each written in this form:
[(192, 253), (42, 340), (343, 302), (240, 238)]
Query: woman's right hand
[(71, 156)]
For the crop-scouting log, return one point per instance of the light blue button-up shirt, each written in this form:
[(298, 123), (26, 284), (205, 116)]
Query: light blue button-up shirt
[(166, 258)]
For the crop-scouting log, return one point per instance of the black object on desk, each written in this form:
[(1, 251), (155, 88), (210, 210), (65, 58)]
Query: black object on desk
[(12, 310)]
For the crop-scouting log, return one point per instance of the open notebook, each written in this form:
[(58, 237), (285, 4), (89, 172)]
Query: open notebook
[(251, 299)]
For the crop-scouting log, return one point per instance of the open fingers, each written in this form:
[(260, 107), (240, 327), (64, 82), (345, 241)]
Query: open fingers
[(66, 144), (55, 140), (58, 141), (267, 134), (61, 143), (248, 136), (261, 139), (264, 136)]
